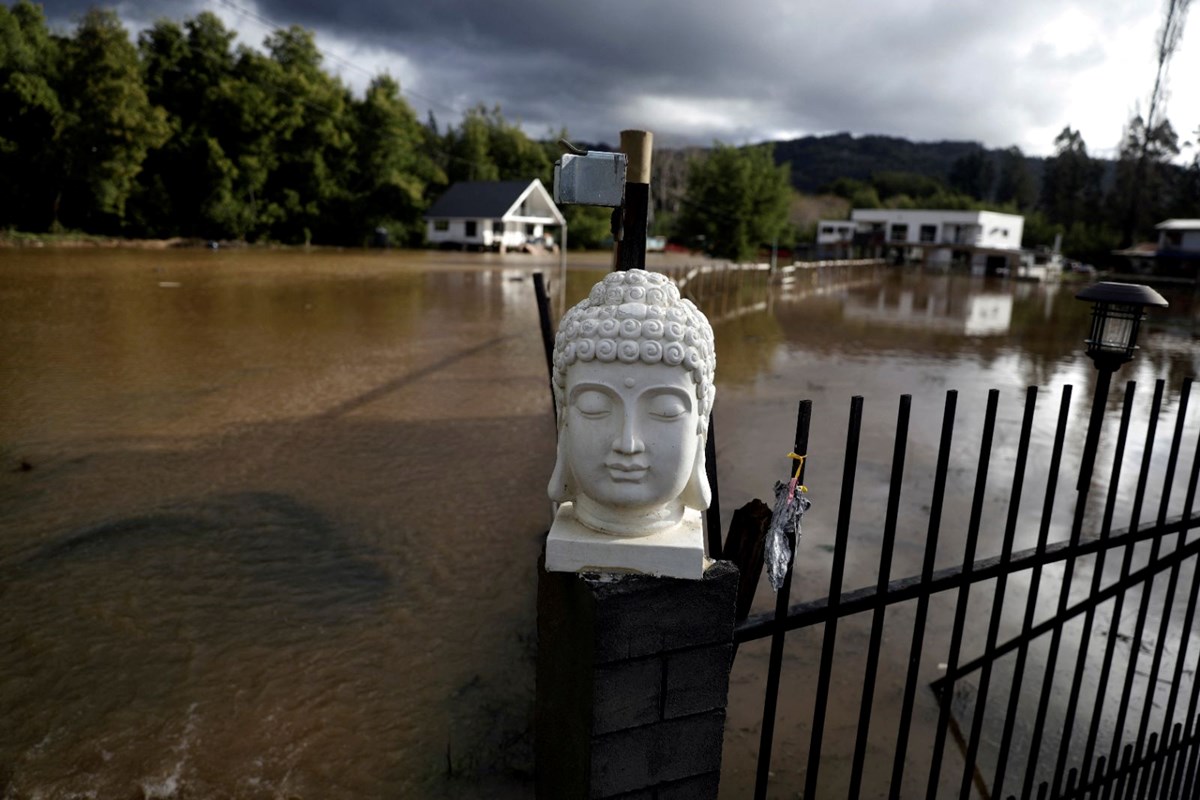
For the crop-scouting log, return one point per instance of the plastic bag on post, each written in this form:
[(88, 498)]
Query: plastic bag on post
[(784, 532)]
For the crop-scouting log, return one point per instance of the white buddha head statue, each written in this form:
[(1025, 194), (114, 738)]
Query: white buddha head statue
[(633, 385)]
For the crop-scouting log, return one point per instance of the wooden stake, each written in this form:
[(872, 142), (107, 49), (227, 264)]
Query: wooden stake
[(631, 250)]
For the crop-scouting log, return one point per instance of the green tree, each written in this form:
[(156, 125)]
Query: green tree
[(1015, 184), (973, 174), (31, 117), (109, 124), (188, 186), (392, 167), (312, 143), (1071, 182), (737, 200), (1145, 180)]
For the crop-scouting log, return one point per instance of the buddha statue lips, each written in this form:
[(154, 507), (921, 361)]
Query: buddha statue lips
[(633, 381)]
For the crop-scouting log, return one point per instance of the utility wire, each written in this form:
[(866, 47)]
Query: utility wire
[(254, 15)]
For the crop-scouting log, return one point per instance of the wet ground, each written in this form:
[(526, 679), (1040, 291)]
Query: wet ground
[(271, 519)]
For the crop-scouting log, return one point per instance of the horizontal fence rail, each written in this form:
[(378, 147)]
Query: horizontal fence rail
[(1103, 724)]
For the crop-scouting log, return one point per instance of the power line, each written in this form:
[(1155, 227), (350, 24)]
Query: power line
[(254, 15)]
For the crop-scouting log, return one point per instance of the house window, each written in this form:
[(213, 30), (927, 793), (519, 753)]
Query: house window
[(529, 229), (498, 228), (827, 229), (442, 225), (929, 233), (899, 233), (472, 229)]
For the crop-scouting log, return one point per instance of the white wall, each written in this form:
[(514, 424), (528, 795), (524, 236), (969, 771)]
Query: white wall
[(456, 232), (971, 228)]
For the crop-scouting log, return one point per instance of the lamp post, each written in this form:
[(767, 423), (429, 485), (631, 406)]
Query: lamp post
[(1117, 313)]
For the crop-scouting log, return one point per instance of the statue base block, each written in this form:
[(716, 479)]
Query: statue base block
[(676, 553)]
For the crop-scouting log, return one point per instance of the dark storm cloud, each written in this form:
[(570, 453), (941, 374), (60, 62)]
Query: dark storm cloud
[(694, 71)]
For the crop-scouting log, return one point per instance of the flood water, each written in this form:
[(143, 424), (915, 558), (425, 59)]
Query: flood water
[(269, 520)]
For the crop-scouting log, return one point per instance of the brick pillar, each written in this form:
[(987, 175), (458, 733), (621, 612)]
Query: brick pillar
[(632, 677)]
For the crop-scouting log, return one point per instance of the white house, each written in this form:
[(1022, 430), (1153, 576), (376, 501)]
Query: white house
[(498, 215), (835, 237), (986, 240), (1179, 237)]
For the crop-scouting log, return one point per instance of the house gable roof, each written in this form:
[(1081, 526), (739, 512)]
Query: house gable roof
[(1179, 225), (487, 199)]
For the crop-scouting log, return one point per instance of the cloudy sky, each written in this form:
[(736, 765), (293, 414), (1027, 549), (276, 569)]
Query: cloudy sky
[(692, 71)]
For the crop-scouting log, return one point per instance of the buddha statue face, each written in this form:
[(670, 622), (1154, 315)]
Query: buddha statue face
[(633, 380)]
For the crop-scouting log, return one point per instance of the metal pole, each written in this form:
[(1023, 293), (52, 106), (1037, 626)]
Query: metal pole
[(1099, 401)]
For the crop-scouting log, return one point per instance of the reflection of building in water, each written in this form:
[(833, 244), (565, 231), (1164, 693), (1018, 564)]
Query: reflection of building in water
[(970, 315)]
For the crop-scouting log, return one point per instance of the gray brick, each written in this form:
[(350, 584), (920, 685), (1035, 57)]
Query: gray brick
[(639, 758), (639, 616), (701, 787), (627, 694), (697, 680)]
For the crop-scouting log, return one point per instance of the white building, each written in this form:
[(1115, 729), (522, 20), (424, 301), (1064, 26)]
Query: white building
[(1179, 237), (988, 240), (498, 215)]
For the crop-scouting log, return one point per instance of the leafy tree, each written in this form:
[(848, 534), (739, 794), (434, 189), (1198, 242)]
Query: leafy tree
[(391, 166), (737, 200), (188, 186), (1015, 184), (1145, 176), (1071, 182), (31, 116), (109, 124), (311, 140), (973, 174), (1144, 136)]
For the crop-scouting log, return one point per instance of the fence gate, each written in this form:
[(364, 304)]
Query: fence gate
[(1033, 714)]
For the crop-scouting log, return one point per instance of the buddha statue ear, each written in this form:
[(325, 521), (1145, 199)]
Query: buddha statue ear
[(698, 494), (562, 480)]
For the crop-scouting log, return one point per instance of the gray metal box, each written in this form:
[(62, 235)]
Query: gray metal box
[(595, 179)]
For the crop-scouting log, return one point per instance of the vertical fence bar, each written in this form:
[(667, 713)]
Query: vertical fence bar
[(1010, 529), (712, 518), (1064, 745), (1119, 601), (1189, 615), (1101, 766), (1141, 781), (849, 468), (1114, 483), (1135, 644), (547, 328), (1172, 577), (782, 598), (1064, 592), (964, 595), (1014, 694), (1111, 790), (885, 569), (918, 636), (1189, 771), (1181, 787)]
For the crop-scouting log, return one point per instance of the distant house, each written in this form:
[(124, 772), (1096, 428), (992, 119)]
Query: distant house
[(498, 215), (1176, 253), (987, 241)]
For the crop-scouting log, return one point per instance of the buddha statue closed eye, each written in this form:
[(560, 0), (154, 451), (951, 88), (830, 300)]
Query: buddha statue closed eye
[(633, 381)]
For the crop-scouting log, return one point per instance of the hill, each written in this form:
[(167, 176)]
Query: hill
[(817, 161)]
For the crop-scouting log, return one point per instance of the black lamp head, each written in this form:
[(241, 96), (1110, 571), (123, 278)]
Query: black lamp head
[(1117, 313)]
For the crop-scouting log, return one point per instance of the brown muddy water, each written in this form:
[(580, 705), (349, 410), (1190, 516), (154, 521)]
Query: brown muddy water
[(269, 521)]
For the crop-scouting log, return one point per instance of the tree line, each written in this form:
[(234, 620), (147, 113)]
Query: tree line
[(184, 133)]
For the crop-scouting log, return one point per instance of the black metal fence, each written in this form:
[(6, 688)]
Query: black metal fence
[(1073, 719)]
